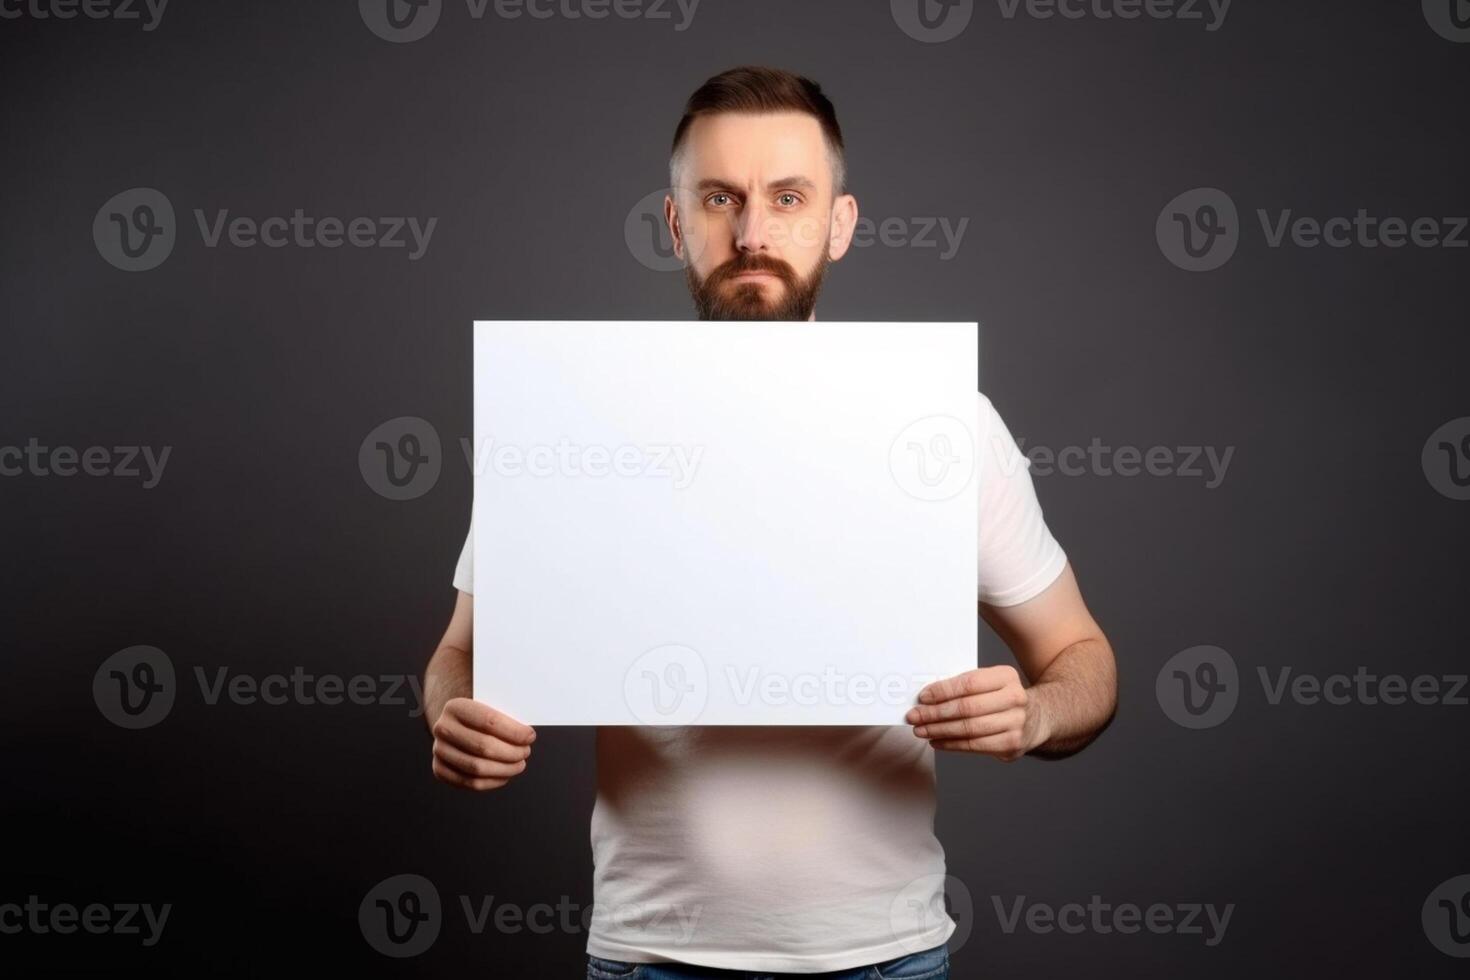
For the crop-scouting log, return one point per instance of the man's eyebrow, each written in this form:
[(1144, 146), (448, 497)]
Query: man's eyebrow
[(720, 184)]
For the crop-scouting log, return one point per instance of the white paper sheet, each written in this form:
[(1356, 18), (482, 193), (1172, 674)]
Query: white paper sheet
[(681, 523)]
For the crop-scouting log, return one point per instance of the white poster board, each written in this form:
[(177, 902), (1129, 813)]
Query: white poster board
[(681, 523)]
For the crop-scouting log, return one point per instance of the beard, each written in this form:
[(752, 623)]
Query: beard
[(718, 297)]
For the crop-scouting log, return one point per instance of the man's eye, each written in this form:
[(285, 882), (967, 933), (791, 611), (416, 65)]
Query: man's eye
[(788, 200), (719, 200)]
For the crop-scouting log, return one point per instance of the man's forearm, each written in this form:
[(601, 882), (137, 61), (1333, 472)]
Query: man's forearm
[(1076, 698), (449, 675)]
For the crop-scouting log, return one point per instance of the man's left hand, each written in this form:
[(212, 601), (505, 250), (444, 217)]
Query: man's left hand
[(986, 710)]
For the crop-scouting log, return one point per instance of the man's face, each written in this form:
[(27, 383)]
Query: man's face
[(753, 215)]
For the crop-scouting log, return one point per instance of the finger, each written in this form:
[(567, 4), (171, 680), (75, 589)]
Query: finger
[(475, 743), (476, 767), (976, 681), (976, 726), (447, 775), (483, 718), (971, 704), (1006, 746)]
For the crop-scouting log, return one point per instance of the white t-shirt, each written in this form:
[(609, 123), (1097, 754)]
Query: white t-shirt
[(792, 849)]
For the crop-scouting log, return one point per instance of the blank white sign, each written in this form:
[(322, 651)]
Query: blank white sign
[(681, 523)]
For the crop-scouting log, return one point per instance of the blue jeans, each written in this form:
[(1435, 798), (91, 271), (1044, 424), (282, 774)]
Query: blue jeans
[(930, 964)]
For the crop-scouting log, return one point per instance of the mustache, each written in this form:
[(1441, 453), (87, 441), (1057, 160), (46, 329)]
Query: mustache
[(751, 262)]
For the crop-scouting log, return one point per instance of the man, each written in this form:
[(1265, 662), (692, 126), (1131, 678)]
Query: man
[(796, 850)]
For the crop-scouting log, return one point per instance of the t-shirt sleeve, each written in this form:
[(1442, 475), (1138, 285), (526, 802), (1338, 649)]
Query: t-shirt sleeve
[(1018, 557), (464, 572)]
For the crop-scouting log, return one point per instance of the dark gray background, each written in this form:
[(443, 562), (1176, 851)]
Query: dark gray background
[(263, 548)]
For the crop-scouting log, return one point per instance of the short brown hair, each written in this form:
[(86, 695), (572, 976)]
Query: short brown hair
[(754, 89)]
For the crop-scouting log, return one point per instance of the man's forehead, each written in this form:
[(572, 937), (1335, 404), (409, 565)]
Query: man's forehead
[(739, 147)]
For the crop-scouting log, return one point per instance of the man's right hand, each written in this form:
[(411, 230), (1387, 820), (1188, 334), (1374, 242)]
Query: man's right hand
[(477, 747)]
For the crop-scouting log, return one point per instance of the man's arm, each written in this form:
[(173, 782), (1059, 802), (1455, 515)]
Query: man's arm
[(475, 746), (449, 674), (1073, 692)]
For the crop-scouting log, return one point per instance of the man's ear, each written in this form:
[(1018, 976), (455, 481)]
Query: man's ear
[(844, 223), (671, 218)]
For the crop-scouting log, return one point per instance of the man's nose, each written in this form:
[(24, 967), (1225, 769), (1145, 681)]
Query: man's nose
[(752, 231)]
